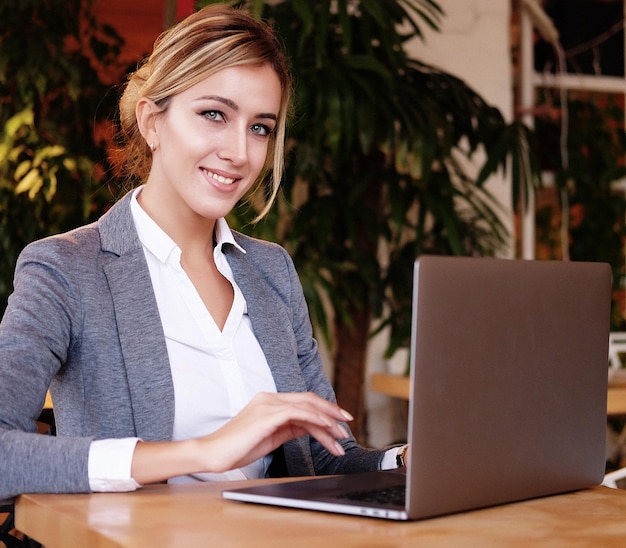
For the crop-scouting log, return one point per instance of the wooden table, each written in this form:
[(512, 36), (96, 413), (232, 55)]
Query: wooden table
[(397, 386), (616, 400), (196, 515)]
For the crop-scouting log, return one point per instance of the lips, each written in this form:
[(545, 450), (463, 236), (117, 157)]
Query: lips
[(219, 178)]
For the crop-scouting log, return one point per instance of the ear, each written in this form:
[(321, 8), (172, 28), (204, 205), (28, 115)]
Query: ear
[(147, 114)]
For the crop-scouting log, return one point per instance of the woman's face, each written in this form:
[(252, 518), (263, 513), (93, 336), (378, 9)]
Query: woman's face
[(211, 142)]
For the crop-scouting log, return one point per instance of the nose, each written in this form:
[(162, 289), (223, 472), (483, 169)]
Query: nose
[(234, 146)]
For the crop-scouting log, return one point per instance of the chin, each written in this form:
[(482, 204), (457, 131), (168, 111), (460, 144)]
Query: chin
[(213, 213)]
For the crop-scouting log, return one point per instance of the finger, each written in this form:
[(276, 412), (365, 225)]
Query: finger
[(293, 422), (303, 413), (318, 402), (326, 438), (272, 419)]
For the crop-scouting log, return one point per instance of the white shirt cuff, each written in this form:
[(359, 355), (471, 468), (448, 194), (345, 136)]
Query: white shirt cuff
[(109, 465), (389, 461)]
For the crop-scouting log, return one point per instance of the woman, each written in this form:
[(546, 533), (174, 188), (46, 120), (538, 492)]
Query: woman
[(174, 348)]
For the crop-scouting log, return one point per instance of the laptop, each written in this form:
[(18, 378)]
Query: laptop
[(509, 364)]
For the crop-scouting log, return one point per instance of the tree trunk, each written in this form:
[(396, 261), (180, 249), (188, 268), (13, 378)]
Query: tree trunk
[(352, 340), (349, 374)]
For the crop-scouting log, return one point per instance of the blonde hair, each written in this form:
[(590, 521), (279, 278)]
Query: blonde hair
[(211, 39)]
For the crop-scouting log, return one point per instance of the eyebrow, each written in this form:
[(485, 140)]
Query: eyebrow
[(231, 104)]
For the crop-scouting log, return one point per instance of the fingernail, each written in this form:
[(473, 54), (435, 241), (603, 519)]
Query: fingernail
[(347, 415), (339, 448), (344, 432)]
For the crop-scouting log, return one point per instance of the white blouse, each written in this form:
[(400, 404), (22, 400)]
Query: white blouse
[(215, 372)]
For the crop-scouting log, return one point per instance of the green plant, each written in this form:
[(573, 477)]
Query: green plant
[(55, 108)]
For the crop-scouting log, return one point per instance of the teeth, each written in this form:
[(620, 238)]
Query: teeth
[(223, 180)]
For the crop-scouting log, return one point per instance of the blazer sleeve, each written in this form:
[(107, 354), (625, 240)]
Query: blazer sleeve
[(40, 321)]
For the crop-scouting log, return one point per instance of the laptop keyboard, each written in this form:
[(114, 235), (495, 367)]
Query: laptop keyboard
[(390, 495)]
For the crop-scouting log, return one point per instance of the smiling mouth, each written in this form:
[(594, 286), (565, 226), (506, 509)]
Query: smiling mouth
[(219, 178)]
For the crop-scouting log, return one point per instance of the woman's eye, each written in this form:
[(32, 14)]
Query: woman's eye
[(261, 129), (214, 115)]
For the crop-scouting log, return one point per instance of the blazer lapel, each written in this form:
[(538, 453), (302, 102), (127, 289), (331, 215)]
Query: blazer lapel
[(269, 325), (139, 326), (270, 328)]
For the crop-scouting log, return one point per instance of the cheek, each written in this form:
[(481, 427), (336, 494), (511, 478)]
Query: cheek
[(184, 136), (258, 154)]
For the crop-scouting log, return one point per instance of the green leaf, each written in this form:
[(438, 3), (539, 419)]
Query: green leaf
[(53, 183), (25, 117), (4, 151), (48, 152), (22, 169), (30, 183)]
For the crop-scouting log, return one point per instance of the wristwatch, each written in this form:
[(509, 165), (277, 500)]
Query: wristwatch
[(400, 461)]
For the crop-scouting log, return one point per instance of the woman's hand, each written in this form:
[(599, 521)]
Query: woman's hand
[(268, 421)]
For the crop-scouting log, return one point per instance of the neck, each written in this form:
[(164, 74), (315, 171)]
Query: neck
[(191, 232)]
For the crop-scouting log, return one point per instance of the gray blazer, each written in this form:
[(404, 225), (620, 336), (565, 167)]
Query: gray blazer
[(83, 320)]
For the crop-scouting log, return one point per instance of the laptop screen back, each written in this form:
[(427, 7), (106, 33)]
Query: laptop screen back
[(509, 380)]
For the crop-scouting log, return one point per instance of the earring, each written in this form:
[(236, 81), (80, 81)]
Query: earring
[(151, 145)]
